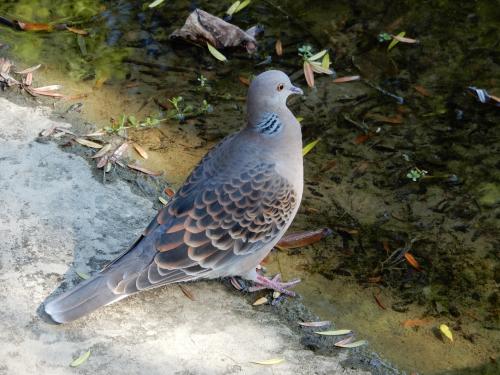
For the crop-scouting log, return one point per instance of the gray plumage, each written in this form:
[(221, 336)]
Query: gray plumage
[(233, 208)]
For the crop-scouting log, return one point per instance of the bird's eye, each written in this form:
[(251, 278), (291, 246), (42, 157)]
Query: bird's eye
[(280, 87)]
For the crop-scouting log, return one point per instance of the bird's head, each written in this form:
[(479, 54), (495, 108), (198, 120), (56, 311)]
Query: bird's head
[(269, 92)]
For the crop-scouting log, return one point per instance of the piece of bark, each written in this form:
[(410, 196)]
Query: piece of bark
[(202, 27)]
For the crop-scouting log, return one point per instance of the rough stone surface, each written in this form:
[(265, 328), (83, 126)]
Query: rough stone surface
[(56, 219)]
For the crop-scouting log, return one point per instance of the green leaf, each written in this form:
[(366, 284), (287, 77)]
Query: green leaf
[(233, 8), (155, 3), (80, 360), (325, 63), (395, 41), (318, 56), (215, 53), (309, 147), (243, 5), (83, 275), (338, 332)]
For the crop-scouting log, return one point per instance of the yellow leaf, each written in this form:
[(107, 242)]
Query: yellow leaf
[(445, 330), (272, 361), (325, 63), (309, 147), (88, 143), (233, 8), (338, 332), (396, 40), (215, 53), (260, 301), (155, 3), (243, 5), (299, 118), (80, 360), (317, 56)]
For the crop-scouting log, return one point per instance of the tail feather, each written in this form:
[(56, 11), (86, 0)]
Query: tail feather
[(82, 300)]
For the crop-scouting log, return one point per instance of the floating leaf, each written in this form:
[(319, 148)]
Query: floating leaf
[(48, 88), (155, 3), (143, 170), (309, 74), (28, 26), (318, 56), (395, 40), (244, 80), (215, 53), (243, 5), (325, 63), (104, 150), (232, 9), (446, 331), (83, 275), (163, 201), (88, 143), (300, 239), (409, 323), (338, 332), (346, 79), (30, 70), (402, 39), (323, 323), (77, 31), (307, 148), (272, 361), (412, 261), (318, 68), (80, 360), (260, 301), (351, 344), (278, 47), (140, 151), (187, 292), (170, 192)]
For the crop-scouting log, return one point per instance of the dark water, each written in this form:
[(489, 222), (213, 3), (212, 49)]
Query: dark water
[(410, 112)]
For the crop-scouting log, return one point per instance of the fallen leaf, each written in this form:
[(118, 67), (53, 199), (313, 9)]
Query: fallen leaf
[(402, 39), (272, 361), (215, 53), (104, 150), (163, 201), (77, 31), (396, 119), (412, 261), (99, 133), (421, 90), (325, 62), (102, 162), (300, 239), (318, 55), (88, 143), (409, 323), (362, 138), (48, 88), (299, 119), (338, 332), (170, 192), (28, 26), (83, 275), (80, 360), (309, 74), (242, 5), (232, 9), (395, 40), (446, 331), (140, 151), (155, 3), (346, 79), (260, 301), (276, 294), (351, 344), (278, 47), (307, 148), (29, 79), (143, 170), (29, 70), (187, 292), (244, 80), (318, 68), (323, 323)]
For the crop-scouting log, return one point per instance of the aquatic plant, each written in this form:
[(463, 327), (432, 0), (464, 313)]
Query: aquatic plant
[(312, 65), (416, 174)]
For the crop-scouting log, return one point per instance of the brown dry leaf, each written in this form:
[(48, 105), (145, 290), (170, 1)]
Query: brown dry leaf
[(86, 142), (362, 138), (29, 79), (187, 292), (76, 97), (99, 133), (140, 151), (29, 70), (409, 323), (202, 27), (278, 47), (170, 193), (260, 301), (244, 80), (421, 90), (403, 39), (330, 164), (309, 74), (346, 79), (36, 92), (77, 31), (143, 170), (102, 151), (120, 150), (412, 261), (396, 119), (28, 26), (102, 161), (300, 239), (323, 323)]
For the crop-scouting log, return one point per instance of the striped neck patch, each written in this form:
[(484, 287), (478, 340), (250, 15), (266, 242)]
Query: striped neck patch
[(269, 124)]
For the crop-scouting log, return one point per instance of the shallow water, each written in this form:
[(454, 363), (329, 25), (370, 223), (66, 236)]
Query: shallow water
[(448, 220)]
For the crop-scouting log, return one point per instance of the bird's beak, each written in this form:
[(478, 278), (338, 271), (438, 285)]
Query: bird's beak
[(296, 90)]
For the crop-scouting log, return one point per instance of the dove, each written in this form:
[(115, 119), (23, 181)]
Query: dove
[(224, 220)]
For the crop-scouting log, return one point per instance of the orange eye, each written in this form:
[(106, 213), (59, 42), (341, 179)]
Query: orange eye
[(280, 87)]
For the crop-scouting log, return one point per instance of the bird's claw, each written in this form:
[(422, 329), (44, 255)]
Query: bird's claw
[(275, 284)]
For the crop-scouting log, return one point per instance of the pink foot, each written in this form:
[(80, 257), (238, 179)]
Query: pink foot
[(275, 283)]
